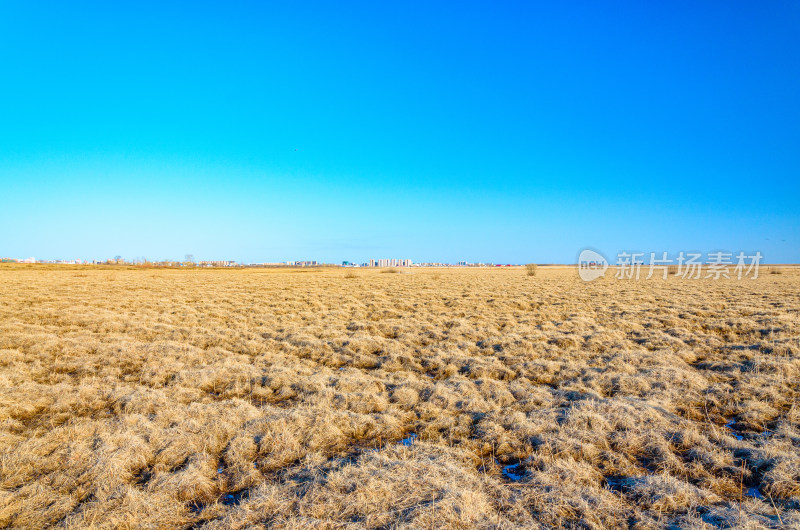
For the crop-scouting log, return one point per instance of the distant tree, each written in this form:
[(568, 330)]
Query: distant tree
[(188, 260), (117, 259)]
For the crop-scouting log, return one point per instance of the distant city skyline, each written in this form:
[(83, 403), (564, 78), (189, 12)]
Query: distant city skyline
[(718, 258), (514, 132)]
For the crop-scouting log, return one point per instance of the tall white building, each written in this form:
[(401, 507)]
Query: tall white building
[(393, 262)]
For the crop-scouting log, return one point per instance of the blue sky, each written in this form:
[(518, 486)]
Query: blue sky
[(506, 132)]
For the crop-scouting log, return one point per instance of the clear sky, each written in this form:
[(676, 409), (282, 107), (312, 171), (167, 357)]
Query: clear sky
[(435, 131)]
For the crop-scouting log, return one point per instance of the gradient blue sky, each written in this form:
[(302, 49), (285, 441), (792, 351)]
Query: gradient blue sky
[(506, 132)]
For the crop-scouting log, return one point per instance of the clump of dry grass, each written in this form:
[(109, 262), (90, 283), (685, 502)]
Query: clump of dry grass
[(350, 275), (390, 270), (235, 399), (530, 269)]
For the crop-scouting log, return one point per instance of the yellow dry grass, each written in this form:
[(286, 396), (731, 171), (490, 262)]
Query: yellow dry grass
[(244, 398)]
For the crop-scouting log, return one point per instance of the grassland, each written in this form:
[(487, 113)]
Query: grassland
[(299, 398)]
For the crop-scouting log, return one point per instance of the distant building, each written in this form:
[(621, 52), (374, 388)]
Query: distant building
[(311, 263), (393, 262), (216, 263)]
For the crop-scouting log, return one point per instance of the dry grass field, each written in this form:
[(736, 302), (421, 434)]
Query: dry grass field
[(455, 398)]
